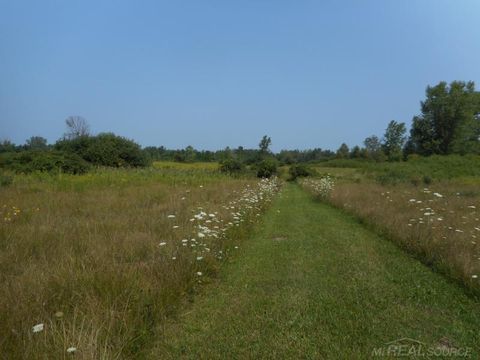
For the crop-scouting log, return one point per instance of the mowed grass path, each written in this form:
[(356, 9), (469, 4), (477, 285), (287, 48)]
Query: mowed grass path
[(314, 283)]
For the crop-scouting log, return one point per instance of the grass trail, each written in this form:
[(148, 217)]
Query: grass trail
[(313, 283)]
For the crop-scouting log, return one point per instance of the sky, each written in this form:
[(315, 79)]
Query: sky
[(219, 73)]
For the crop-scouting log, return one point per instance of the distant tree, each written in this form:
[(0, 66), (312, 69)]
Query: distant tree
[(265, 144), (36, 143), (356, 152), (189, 154), (372, 145), (7, 146), (393, 140), (77, 126), (450, 120), (343, 151)]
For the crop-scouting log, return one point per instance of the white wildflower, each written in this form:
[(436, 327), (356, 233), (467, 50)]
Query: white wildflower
[(37, 328)]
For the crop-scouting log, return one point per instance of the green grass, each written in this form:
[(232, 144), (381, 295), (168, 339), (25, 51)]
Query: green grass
[(434, 167), (313, 283), (213, 166)]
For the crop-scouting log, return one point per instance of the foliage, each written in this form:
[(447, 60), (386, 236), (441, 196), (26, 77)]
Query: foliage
[(394, 140), (36, 143), (288, 157), (38, 160), (449, 122), (343, 151), (437, 167), (231, 166), (266, 168), (105, 149), (7, 146), (299, 170), (264, 144)]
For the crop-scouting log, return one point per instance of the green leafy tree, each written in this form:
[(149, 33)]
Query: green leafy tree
[(449, 122), (356, 152), (343, 151), (189, 154), (264, 145), (36, 143), (393, 140), (7, 146), (373, 148)]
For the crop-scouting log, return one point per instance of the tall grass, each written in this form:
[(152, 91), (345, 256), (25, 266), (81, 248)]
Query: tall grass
[(102, 259), (440, 224), (417, 168)]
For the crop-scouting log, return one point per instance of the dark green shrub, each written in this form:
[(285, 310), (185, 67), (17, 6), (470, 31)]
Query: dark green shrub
[(266, 168), (106, 149), (299, 170), (231, 166), (427, 180), (49, 161), (391, 177)]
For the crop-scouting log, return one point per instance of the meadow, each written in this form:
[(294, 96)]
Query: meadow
[(429, 206), (150, 263), (94, 264)]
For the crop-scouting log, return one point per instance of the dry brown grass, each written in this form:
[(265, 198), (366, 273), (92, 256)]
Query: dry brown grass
[(89, 265), (443, 231)]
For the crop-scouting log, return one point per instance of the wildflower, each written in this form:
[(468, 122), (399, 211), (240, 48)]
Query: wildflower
[(71, 349), (174, 258), (437, 195), (176, 227), (199, 273), (37, 328), (199, 258), (58, 314), (201, 235), (471, 207), (171, 216), (162, 244), (474, 276)]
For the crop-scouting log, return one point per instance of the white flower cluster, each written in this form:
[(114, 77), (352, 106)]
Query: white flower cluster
[(322, 187), (209, 226)]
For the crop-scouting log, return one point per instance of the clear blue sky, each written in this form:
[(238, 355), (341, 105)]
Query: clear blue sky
[(215, 73)]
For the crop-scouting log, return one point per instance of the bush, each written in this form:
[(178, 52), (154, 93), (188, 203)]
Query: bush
[(299, 170), (266, 168), (106, 149), (231, 166), (49, 161), (391, 177)]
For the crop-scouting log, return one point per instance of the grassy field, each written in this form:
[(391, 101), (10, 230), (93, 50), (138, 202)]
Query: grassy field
[(438, 222), (180, 260), (208, 166), (314, 283), (99, 261), (417, 170)]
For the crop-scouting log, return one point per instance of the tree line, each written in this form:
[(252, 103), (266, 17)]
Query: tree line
[(449, 123)]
